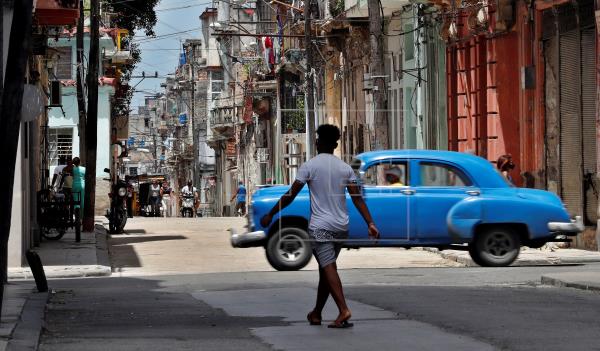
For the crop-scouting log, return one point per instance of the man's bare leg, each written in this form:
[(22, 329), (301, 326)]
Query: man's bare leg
[(322, 296), (337, 292)]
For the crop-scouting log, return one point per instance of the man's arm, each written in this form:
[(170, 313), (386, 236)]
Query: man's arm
[(359, 203), (283, 202), (234, 194)]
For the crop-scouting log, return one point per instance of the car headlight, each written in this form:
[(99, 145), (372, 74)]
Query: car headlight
[(122, 191)]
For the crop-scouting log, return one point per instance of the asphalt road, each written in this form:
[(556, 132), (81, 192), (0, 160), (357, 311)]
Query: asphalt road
[(398, 308)]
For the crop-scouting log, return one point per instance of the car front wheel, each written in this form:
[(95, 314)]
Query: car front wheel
[(495, 247), (289, 249)]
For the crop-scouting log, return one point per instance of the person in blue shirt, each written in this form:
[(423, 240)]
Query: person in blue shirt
[(240, 194)]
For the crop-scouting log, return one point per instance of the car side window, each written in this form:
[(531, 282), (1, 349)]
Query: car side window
[(387, 173), (439, 174)]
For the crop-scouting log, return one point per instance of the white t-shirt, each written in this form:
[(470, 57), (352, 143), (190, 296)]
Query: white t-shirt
[(155, 189), (58, 173), (186, 190), (327, 177)]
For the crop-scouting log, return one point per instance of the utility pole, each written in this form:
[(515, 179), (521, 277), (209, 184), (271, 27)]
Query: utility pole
[(10, 118), (195, 158), (92, 118), (309, 101), (378, 75), (80, 93)]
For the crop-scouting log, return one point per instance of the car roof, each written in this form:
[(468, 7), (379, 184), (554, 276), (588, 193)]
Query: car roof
[(479, 168)]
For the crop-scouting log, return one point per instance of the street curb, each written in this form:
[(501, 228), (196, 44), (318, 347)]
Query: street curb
[(459, 259), (467, 261), (26, 335), (102, 255), (101, 269), (546, 280)]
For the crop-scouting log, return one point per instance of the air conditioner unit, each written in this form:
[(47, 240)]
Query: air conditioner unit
[(55, 94)]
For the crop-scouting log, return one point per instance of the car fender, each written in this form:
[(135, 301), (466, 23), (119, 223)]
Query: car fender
[(463, 217), (534, 215)]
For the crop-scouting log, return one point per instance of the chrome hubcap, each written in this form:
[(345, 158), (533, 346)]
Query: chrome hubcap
[(499, 244), (291, 247)]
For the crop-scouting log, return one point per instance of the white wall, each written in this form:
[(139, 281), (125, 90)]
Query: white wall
[(17, 231)]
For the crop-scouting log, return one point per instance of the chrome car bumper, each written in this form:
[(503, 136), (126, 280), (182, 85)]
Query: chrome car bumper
[(575, 226), (246, 239)]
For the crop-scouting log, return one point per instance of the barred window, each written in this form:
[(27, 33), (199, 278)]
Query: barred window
[(60, 143)]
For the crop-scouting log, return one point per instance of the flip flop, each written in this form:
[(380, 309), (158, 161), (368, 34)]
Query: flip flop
[(341, 325), (311, 321)]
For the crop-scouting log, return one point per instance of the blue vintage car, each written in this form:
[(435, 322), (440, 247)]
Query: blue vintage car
[(421, 198)]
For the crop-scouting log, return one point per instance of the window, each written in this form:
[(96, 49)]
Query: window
[(60, 143), (437, 174), (389, 173), (64, 66), (409, 43), (216, 85), (216, 75)]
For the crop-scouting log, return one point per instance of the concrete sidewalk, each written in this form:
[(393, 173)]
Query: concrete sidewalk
[(22, 316), (530, 257), (66, 258)]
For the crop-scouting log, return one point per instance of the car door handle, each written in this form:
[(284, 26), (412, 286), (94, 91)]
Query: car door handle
[(407, 191), (473, 192)]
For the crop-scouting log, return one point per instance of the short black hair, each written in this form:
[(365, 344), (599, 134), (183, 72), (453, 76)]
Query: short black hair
[(328, 135)]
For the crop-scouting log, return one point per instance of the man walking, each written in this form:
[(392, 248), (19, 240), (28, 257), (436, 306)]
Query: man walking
[(327, 176), (240, 194)]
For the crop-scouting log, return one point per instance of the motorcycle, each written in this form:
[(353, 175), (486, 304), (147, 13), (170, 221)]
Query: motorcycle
[(117, 214), (187, 206)]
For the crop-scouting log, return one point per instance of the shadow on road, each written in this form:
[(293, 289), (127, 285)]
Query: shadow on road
[(135, 231), (142, 314), (138, 239)]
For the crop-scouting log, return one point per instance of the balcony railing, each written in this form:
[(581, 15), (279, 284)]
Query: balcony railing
[(222, 117)]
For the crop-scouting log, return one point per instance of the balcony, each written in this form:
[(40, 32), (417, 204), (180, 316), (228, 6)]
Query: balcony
[(222, 117), (56, 12)]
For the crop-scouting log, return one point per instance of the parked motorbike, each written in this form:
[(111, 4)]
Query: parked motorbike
[(117, 214), (187, 206)]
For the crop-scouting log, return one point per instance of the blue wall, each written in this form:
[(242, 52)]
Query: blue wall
[(70, 119)]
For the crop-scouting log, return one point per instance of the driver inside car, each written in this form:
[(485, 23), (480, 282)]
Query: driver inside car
[(394, 176)]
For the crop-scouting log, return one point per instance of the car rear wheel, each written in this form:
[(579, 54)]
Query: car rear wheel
[(495, 247), (289, 249)]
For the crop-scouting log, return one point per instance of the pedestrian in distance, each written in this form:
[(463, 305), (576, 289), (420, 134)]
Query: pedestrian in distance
[(165, 194), (155, 198), (78, 183), (66, 184), (505, 165), (240, 195), (56, 177), (327, 177)]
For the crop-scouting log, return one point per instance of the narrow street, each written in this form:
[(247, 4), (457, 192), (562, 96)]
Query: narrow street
[(178, 284)]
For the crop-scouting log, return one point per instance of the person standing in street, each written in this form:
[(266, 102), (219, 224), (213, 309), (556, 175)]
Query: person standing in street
[(78, 183), (66, 184), (240, 194), (155, 198), (165, 194), (327, 177), (56, 177)]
